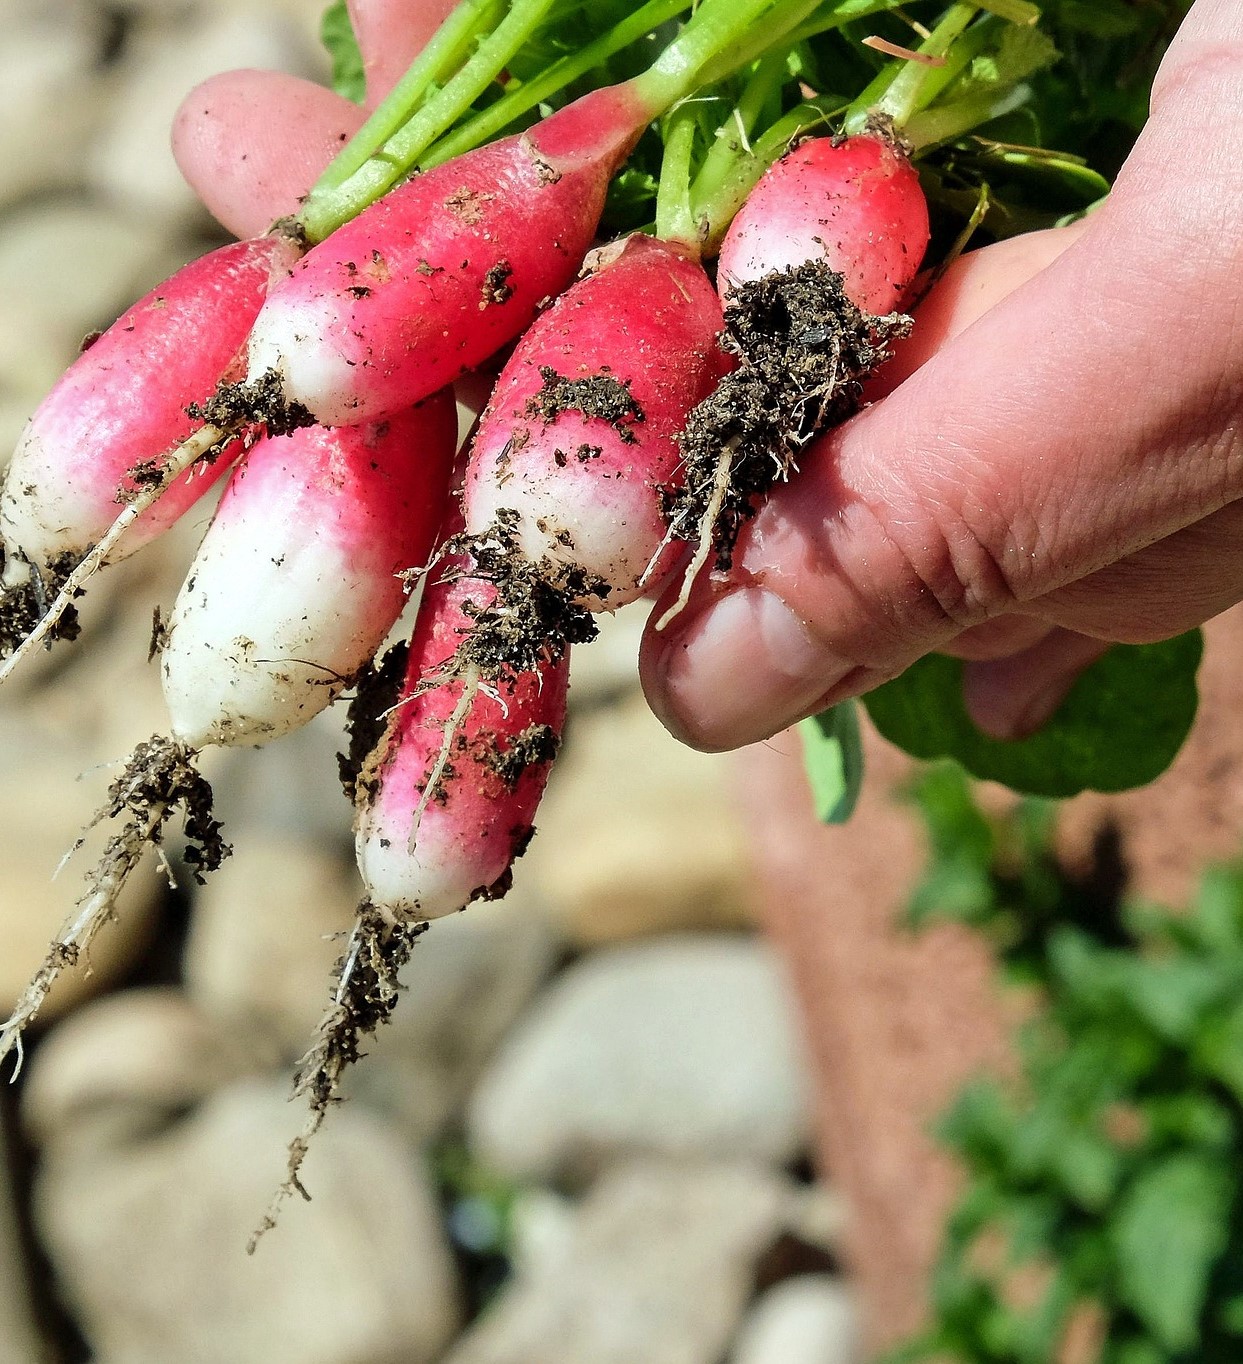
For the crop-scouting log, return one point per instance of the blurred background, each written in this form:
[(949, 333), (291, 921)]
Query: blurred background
[(644, 1111), (591, 1113)]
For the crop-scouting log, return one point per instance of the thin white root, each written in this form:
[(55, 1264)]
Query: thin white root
[(703, 550), (79, 930), (470, 689), (172, 466)]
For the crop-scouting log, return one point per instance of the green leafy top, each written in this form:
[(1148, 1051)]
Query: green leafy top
[(337, 35), (1104, 1189)]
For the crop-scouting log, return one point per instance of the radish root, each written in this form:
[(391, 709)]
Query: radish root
[(367, 990), (159, 779)]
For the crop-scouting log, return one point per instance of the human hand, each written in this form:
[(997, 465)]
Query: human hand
[(1064, 471), (252, 143)]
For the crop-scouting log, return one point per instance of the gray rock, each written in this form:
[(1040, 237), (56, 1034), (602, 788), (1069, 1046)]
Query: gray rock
[(657, 1268), (811, 1319), (265, 932), (49, 99), (148, 1239), (265, 937), (19, 1341), (638, 834), (683, 1046), (130, 159), (124, 1063)]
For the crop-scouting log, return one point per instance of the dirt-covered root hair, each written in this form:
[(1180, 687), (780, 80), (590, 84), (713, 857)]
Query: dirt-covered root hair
[(159, 779), (804, 351)]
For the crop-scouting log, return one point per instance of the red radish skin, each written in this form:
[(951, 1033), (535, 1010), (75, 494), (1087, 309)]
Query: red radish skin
[(422, 863), (296, 582), (583, 488), (123, 401), (856, 204), (444, 270)]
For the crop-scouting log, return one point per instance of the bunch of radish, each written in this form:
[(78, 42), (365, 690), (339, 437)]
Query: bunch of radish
[(638, 420)]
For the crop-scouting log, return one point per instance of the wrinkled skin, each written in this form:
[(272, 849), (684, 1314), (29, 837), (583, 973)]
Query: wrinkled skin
[(1061, 466)]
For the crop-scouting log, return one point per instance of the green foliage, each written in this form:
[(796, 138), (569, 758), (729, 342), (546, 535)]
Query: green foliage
[(337, 35), (1121, 725), (1104, 1197), (833, 756)]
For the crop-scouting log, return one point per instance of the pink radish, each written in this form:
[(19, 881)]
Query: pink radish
[(825, 247), (97, 436), (447, 798), (855, 204), (444, 270), (296, 582), (581, 429), (293, 590)]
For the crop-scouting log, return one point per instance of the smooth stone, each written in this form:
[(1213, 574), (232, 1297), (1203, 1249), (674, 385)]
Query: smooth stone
[(130, 159), (638, 834), (810, 1319), (148, 1239), (657, 1267), (682, 1046)]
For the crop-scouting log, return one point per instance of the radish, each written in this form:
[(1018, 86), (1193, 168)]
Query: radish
[(812, 270), (431, 280), (293, 589), (96, 439), (446, 774), (582, 426), (447, 795), (297, 580), (854, 204)]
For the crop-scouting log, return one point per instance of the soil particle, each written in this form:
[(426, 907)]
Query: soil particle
[(804, 350), (496, 287), (375, 693), (23, 605), (159, 634), (536, 746), (262, 400), (467, 205), (600, 395)]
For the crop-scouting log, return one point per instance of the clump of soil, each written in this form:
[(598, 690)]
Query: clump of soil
[(536, 746), (496, 286), (159, 780), (260, 401), (535, 615), (804, 352), (598, 395), (24, 603), (375, 693)]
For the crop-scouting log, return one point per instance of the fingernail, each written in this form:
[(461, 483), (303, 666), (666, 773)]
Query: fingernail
[(742, 670)]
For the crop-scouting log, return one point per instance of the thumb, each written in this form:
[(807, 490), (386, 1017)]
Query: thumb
[(1031, 450)]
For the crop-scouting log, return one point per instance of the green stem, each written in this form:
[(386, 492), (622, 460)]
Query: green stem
[(905, 93), (733, 138), (444, 54), (956, 119), (674, 220), (525, 97), (731, 169), (326, 209), (721, 37)]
